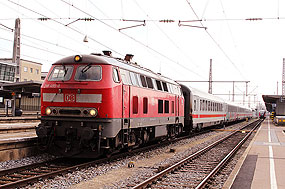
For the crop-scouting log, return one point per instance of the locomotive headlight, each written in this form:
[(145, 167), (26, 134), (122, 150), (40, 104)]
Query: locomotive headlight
[(77, 58), (93, 112), (48, 111)]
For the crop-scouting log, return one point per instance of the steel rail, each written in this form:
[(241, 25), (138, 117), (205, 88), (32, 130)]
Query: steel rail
[(34, 178), (226, 159), (177, 165)]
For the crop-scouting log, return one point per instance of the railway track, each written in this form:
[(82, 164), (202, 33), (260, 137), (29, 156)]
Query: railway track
[(195, 170), (21, 176), (29, 174)]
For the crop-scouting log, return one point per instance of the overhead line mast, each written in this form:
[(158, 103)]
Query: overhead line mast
[(210, 79), (16, 48)]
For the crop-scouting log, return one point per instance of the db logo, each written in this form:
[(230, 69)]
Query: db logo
[(69, 98)]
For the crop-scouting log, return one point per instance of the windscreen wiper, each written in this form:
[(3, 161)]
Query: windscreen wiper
[(87, 67), (65, 70)]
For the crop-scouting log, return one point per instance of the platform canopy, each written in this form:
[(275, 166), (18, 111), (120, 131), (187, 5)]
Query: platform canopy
[(271, 99), (25, 88)]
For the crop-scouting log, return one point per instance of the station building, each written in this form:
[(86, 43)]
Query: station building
[(21, 88)]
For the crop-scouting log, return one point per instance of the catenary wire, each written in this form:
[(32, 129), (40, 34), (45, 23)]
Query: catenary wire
[(49, 28), (63, 25), (167, 36), (217, 44), (130, 37)]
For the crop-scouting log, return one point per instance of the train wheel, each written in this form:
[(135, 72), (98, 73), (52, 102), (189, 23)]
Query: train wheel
[(107, 153), (145, 137), (199, 127)]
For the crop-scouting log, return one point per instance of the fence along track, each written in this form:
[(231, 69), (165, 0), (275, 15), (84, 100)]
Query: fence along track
[(196, 170)]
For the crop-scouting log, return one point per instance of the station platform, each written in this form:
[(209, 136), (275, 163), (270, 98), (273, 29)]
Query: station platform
[(23, 118), (17, 140), (263, 163)]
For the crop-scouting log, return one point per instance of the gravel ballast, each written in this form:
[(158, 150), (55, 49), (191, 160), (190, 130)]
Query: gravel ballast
[(116, 174)]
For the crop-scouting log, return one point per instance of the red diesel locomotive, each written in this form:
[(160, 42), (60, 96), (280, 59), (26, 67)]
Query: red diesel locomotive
[(95, 104)]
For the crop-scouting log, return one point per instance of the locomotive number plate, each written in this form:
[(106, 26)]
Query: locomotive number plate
[(69, 98)]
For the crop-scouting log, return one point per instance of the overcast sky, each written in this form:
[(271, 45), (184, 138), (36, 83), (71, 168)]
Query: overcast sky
[(241, 49)]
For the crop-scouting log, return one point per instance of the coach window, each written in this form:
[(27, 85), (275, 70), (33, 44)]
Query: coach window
[(164, 86), (194, 105), (158, 84), (116, 75), (134, 79), (201, 104), (135, 104), (149, 83), (145, 105), (172, 107), (160, 106), (166, 106), (143, 80), (209, 106)]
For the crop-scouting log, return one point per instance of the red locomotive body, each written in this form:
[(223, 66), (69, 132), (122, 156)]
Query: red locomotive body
[(94, 104)]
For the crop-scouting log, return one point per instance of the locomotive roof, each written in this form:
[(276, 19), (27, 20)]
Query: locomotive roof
[(102, 59)]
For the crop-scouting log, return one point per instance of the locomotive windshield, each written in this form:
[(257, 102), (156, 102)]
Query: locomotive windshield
[(88, 73), (61, 73)]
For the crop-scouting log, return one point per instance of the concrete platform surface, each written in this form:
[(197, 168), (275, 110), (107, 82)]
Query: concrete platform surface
[(17, 132), (263, 163), (11, 126), (17, 137)]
